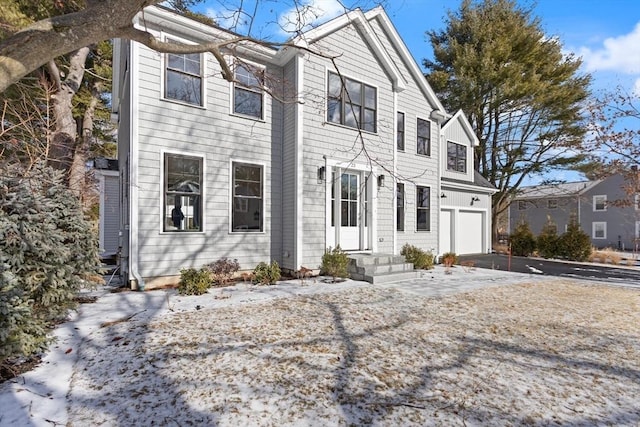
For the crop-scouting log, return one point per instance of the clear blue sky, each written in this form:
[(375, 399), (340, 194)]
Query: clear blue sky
[(606, 34)]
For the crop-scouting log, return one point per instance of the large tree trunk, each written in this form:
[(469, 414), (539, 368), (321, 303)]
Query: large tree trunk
[(64, 138), (77, 172)]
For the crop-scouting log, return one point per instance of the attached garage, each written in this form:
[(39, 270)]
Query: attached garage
[(472, 232)]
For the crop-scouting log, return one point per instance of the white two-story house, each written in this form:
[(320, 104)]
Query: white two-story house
[(335, 139)]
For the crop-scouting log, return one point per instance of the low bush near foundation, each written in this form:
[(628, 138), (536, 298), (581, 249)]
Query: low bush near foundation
[(222, 270), (334, 263), (420, 259), (266, 274), (194, 281)]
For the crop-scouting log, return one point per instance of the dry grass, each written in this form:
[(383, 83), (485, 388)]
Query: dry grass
[(543, 354), (605, 256)]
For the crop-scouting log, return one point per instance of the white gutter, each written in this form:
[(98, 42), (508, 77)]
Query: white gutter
[(133, 170)]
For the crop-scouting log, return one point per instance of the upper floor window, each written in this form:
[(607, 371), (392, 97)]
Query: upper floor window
[(352, 104), (424, 137), (552, 204), (248, 207), (183, 77), (600, 203), (456, 157), (423, 208), (636, 201), (247, 90), (522, 205), (399, 207), (182, 193), (400, 131)]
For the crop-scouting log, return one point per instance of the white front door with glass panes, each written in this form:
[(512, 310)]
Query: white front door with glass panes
[(350, 212)]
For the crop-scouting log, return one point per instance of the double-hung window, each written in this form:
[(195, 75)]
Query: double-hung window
[(456, 157), (599, 203), (399, 207), (599, 230), (182, 193), (424, 137), (423, 208), (248, 203), (183, 77), (353, 104), (247, 90), (400, 131)]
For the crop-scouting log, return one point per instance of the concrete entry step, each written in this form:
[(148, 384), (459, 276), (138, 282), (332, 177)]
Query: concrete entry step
[(380, 268)]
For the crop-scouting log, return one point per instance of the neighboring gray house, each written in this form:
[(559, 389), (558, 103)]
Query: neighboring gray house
[(357, 158), (106, 173), (603, 208)]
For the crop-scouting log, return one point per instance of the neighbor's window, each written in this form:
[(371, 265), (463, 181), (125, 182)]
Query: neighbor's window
[(352, 104), (636, 201), (637, 229), (552, 204), (424, 137), (399, 207), (400, 131), (247, 90), (599, 230), (600, 203), (456, 157), (182, 193), (248, 204), (423, 208), (183, 77), (522, 205)]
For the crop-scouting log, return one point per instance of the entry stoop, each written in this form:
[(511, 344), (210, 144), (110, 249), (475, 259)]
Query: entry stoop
[(380, 268)]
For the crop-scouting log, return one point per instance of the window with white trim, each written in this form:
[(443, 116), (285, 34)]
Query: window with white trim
[(456, 157), (599, 230), (247, 211), (636, 202), (400, 131), (423, 137), (247, 90), (399, 207), (182, 192), (352, 104), (600, 203), (637, 229), (183, 77), (423, 208)]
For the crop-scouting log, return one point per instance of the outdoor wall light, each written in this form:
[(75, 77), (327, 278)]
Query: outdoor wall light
[(321, 174), (443, 196), (380, 181), (475, 199)]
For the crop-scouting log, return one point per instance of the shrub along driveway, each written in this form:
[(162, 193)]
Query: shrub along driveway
[(350, 354)]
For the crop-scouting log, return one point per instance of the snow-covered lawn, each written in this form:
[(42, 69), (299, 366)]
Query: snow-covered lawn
[(534, 354)]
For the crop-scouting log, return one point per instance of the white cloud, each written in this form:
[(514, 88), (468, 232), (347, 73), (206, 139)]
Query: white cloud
[(309, 14), (620, 54), (232, 19)]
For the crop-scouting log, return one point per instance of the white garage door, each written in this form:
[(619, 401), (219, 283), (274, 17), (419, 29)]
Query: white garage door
[(445, 230), (471, 232)]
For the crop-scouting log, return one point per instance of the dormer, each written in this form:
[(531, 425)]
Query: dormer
[(458, 141)]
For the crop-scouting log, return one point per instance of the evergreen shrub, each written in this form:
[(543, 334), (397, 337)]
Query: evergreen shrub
[(48, 252), (523, 243), (547, 241), (334, 263), (574, 244), (419, 258), (194, 281), (266, 274)]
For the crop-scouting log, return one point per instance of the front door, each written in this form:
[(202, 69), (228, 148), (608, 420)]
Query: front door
[(351, 212)]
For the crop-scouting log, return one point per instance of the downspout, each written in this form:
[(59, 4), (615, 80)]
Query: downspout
[(133, 171)]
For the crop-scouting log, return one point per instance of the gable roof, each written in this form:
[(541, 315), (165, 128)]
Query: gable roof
[(466, 126), (362, 21), (565, 189)]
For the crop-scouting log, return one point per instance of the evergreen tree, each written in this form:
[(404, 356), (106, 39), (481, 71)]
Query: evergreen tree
[(522, 94)]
